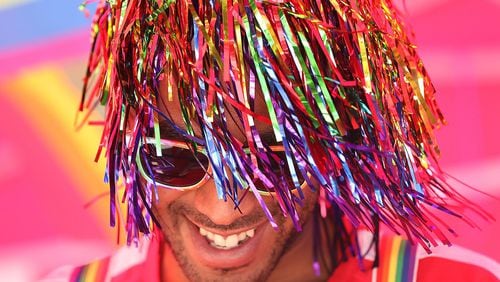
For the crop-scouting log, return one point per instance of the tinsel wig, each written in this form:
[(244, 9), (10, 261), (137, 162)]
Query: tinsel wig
[(346, 96)]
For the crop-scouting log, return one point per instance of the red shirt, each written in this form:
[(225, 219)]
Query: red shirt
[(399, 261)]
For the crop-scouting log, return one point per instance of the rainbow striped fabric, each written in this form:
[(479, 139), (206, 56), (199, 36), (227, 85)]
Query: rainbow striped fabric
[(93, 272), (397, 260)]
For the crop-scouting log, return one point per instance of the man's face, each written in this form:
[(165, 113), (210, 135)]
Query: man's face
[(210, 239)]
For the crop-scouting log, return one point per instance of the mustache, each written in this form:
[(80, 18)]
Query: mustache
[(201, 219)]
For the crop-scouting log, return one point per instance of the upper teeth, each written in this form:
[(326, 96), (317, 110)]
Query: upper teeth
[(228, 242)]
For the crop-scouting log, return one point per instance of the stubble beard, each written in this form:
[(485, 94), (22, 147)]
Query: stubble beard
[(190, 270)]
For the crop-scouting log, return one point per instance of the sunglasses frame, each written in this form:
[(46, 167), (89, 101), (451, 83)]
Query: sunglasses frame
[(177, 144), (208, 170)]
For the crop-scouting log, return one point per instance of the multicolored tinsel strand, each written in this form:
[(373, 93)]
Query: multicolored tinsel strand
[(346, 95)]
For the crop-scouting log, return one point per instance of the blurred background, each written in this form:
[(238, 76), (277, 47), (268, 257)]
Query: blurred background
[(51, 203)]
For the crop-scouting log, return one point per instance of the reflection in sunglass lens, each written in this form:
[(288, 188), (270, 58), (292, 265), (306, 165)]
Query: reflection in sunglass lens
[(177, 167)]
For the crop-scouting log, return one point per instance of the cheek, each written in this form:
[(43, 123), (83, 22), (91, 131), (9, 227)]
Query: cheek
[(308, 203), (304, 209), (165, 198), (310, 197)]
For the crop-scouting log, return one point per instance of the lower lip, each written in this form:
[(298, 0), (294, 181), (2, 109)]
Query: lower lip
[(216, 258)]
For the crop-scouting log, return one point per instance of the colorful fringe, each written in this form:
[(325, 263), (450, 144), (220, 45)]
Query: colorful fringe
[(346, 95)]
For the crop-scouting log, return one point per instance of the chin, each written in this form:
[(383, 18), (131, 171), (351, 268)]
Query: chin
[(252, 258), (246, 273)]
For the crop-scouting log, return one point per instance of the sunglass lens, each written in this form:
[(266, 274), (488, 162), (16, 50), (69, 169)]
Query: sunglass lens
[(280, 168), (177, 167)]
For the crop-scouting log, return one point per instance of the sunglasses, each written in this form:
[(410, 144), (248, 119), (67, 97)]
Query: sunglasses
[(181, 168)]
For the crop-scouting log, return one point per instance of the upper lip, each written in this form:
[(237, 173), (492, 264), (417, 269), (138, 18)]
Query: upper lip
[(225, 232)]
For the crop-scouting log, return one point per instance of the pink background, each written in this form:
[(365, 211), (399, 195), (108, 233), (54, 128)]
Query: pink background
[(47, 175)]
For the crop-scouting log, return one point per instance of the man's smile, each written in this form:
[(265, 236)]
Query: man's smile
[(227, 242), (224, 248)]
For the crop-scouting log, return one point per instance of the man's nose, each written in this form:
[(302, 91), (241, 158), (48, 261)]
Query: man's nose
[(219, 211)]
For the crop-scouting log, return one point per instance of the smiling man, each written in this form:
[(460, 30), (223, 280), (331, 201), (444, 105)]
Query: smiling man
[(210, 239), (268, 140)]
